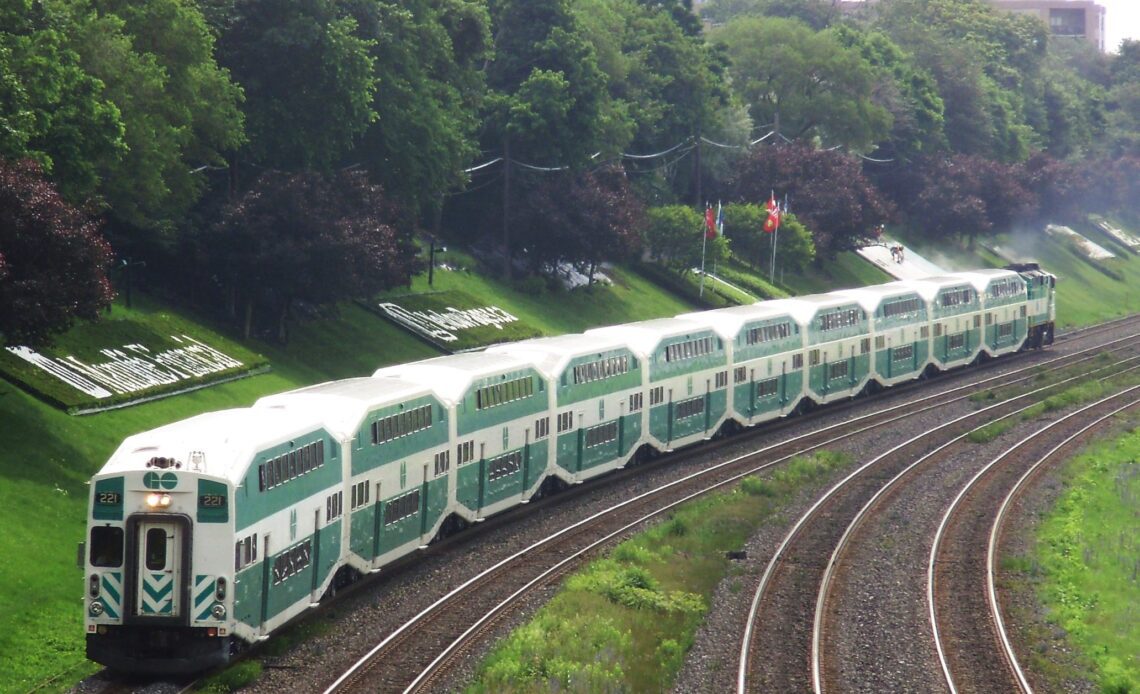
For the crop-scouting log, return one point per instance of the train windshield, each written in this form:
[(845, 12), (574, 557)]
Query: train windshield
[(106, 546)]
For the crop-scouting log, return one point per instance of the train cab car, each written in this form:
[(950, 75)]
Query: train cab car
[(497, 406), (1004, 309), (955, 319), (160, 597), (765, 345), (837, 343), (686, 379), (900, 328), (597, 399), (398, 449)]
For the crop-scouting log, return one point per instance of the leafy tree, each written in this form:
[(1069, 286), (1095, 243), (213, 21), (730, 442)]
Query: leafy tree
[(818, 14), (51, 109), (179, 110), (547, 99), (966, 197), (668, 81), (428, 57), (53, 261), (905, 89), (804, 83), (987, 64), (579, 218), (674, 233), (308, 77), (744, 226), (307, 237), (827, 190), (1123, 101)]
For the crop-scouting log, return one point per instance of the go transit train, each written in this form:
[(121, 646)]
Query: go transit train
[(209, 534)]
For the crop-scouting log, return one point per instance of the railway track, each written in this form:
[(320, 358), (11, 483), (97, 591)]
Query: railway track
[(965, 610), (412, 655), (809, 592)]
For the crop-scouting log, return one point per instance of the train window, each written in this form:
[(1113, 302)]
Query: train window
[(797, 361), (106, 546), (739, 374), (155, 549)]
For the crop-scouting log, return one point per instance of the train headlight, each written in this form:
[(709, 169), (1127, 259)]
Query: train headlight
[(218, 611), (96, 608), (93, 585), (156, 500), (220, 589)]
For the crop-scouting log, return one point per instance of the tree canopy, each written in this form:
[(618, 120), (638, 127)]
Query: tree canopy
[(53, 260)]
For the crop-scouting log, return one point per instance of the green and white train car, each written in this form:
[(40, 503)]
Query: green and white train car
[(213, 532), (195, 536), (499, 416), (765, 344), (595, 391), (686, 377), (899, 329)]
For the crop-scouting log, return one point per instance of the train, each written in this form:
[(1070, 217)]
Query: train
[(207, 535)]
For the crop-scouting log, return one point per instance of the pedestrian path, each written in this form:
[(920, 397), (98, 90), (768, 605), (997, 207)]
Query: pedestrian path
[(904, 264)]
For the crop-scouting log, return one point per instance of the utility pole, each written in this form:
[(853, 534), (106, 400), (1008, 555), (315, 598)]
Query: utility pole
[(507, 208)]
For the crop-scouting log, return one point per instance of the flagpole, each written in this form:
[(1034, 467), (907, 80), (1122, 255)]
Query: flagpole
[(775, 235), (704, 240)]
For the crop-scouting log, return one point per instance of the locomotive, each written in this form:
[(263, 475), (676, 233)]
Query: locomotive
[(209, 534)]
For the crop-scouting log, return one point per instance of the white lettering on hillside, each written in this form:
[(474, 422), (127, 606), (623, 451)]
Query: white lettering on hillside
[(443, 326), (132, 368)]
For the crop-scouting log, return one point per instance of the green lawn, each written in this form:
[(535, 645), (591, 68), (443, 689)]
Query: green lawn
[(1085, 566)]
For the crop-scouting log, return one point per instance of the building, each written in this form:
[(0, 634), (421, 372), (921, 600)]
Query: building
[(1082, 19)]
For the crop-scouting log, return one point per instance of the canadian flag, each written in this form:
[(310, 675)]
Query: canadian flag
[(773, 222)]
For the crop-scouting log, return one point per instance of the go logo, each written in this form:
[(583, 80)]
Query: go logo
[(164, 480)]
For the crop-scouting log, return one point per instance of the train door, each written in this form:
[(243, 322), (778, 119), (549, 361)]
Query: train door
[(159, 570)]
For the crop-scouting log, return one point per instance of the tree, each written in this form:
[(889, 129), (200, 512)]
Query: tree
[(428, 59), (179, 111), (51, 109), (53, 262), (547, 100), (308, 77), (674, 236), (987, 64), (965, 196), (582, 219), (804, 83), (307, 237), (827, 190), (902, 87), (818, 14)]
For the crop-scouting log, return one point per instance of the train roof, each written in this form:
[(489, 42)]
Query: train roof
[(984, 277), (345, 404), (220, 444), (451, 376), (550, 355), (728, 322), (644, 336), (870, 298)]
